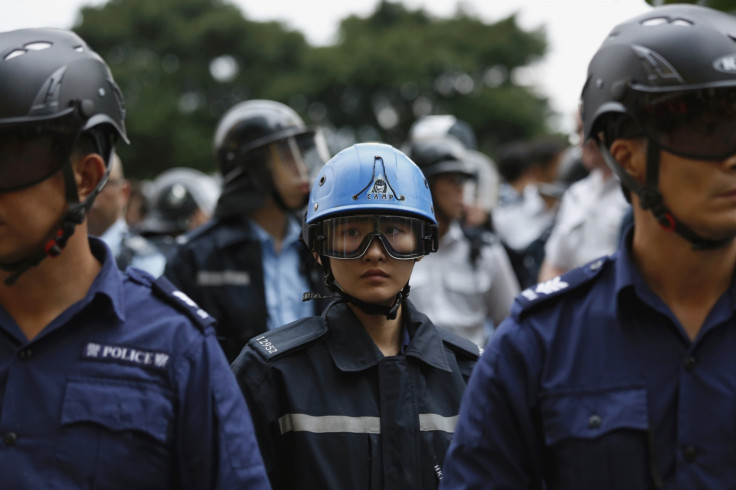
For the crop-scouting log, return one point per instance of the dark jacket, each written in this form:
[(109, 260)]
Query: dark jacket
[(219, 266), (331, 412)]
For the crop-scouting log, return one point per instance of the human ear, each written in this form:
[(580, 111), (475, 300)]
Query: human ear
[(89, 170), (631, 155)]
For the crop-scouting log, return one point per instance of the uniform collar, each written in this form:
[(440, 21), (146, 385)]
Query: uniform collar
[(629, 280), (108, 283), (352, 349), (454, 234)]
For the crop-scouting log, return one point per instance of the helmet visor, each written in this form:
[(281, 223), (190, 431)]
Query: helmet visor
[(349, 237), (30, 153), (298, 157), (698, 124)]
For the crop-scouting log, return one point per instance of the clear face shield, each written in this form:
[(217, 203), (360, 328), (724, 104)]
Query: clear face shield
[(349, 237), (298, 159)]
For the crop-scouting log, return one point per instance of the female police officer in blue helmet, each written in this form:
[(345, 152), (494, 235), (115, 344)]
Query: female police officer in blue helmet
[(365, 395)]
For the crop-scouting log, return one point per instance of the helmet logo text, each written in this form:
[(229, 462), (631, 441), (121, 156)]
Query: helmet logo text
[(378, 192), (726, 64)]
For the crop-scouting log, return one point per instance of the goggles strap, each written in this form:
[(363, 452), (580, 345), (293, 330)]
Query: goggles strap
[(651, 198)]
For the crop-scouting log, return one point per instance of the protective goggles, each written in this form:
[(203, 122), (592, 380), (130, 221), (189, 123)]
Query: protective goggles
[(699, 124), (298, 157), (349, 237), (30, 153)]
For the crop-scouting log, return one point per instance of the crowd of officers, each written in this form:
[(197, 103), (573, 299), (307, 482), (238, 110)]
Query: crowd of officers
[(557, 317)]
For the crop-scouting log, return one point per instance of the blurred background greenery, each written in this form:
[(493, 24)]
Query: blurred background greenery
[(182, 63)]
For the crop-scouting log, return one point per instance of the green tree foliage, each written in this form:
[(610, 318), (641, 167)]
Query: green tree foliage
[(182, 63), (724, 5)]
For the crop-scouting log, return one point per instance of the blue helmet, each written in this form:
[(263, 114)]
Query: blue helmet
[(370, 178)]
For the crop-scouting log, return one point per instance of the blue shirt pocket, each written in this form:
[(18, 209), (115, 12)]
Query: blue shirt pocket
[(119, 405)]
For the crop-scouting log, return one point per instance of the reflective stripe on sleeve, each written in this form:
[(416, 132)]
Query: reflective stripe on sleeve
[(223, 278), (299, 422)]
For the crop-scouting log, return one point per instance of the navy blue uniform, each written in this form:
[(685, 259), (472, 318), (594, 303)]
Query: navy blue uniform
[(219, 266), (127, 388), (592, 383), (331, 412)]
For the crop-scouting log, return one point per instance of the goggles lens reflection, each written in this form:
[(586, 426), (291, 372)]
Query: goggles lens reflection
[(349, 237)]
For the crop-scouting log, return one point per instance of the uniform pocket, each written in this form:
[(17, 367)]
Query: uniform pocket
[(591, 415), (119, 405), (597, 439)]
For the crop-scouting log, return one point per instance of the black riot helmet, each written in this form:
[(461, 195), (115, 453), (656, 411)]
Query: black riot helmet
[(250, 139), (668, 75), (176, 196), (440, 155), (54, 92)]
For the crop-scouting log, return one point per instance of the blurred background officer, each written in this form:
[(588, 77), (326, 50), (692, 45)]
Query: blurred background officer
[(619, 374), (107, 379), (107, 220), (588, 222), (529, 202), (247, 266), (366, 395), (468, 286), (481, 192), (180, 200)]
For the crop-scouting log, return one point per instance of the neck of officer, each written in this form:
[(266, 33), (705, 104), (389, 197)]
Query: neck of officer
[(43, 292), (273, 220), (689, 281), (386, 334)]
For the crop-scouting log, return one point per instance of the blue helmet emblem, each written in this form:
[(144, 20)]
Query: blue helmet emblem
[(370, 178)]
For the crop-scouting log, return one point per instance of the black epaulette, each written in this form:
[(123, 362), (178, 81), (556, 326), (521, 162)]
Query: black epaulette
[(540, 293), (281, 340), (460, 344), (168, 293)]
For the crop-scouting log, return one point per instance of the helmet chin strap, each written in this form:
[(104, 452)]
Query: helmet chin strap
[(389, 311), (651, 198), (53, 246)]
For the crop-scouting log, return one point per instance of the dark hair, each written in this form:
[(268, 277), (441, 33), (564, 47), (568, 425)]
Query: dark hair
[(513, 160), (544, 152)]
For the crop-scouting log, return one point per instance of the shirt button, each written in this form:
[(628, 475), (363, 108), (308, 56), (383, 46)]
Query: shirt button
[(25, 354), (690, 453), (594, 421), (9, 438), (690, 363)]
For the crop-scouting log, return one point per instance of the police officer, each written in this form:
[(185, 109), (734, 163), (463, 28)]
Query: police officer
[(181, 200), (468, 286), (247, 266), (107, 379), (619, 374), (366, 395), (107, 220)]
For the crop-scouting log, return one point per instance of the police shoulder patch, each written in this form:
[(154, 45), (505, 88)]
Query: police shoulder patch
[(163, 289), (460, 344), (289, 337), (558, 286)]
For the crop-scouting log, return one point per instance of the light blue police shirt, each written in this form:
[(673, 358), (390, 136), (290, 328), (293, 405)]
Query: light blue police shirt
[(283, 280)]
